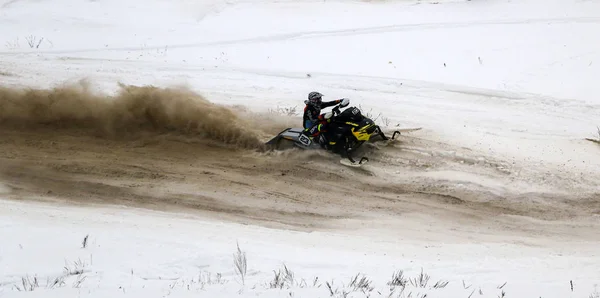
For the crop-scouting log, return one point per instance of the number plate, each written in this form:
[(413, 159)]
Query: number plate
[(304, 140)]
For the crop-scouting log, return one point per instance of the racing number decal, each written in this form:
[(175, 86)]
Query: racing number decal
[(304, 140)]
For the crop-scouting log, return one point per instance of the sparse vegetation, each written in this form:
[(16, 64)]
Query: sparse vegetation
[(33, 42), (11, 45), (59, 281), (287, 111), (363, 284), (337, 292), (421, 280), (152, 51), (77, 268), (204, 279), (239, 261), (595, 293), (597, 139), (440, 284), (380, 119), (282, 278), (398, 279), (28, 284), (84, 242), (78, 281), (401, 286)]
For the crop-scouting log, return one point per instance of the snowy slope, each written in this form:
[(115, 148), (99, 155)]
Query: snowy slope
[(496, 84), (137, 254)]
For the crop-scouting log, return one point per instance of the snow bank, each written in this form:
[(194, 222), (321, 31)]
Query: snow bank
[(135, 253)]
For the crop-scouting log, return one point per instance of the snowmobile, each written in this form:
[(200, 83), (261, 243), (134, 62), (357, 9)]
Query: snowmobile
[(346, 132)]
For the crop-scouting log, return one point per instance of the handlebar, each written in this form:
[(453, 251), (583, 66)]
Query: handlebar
[(336, 110)]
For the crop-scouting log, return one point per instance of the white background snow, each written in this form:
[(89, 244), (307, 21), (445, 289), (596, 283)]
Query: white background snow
[(513, 79)]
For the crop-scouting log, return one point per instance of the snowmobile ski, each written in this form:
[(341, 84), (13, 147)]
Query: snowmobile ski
[(353, 163), (403, 130)]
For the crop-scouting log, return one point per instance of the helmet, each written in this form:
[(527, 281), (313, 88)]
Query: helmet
[(315, 98)]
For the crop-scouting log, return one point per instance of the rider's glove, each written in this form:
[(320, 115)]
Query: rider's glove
[(345, 102)]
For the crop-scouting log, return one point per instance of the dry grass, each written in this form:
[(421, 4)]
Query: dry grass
[(240, 263), (597, 139)]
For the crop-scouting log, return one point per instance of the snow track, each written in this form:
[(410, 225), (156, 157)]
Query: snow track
[(321, 34)]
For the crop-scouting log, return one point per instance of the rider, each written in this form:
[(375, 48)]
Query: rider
[(313, 120)]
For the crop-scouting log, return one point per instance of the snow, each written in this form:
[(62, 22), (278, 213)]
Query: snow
[(514, 81), (140, 254)]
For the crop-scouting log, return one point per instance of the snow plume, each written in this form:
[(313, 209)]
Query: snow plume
[(133, 112)]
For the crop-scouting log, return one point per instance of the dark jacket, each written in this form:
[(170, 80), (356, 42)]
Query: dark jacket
[(312, 112)]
